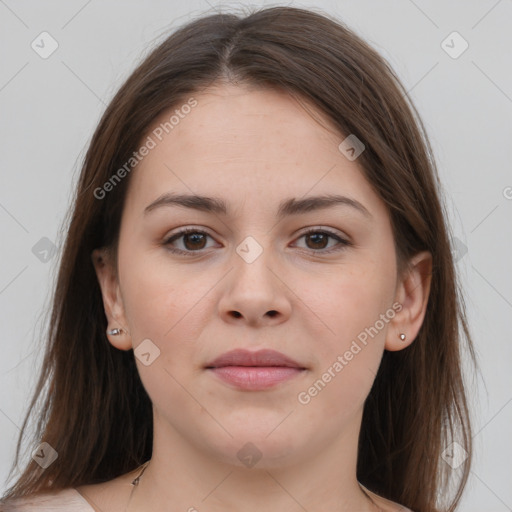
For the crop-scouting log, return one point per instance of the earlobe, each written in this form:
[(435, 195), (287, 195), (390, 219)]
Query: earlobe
[(412, 294), (117, 333)]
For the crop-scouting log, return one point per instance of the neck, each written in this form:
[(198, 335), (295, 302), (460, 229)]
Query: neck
[(183, 479)]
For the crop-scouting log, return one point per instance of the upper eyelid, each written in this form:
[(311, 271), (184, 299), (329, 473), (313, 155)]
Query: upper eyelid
[(193, 229)]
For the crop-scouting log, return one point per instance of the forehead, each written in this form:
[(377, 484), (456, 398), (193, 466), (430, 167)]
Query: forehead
[(240, 142), (244, 119)]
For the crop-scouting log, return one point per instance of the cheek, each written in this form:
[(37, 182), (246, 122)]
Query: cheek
[(355, 307), (160, 298), (349, 351), (165, 306), (171, 306), (351, 300)]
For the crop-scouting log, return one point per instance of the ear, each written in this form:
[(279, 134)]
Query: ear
[(412, 294), (112, 300)]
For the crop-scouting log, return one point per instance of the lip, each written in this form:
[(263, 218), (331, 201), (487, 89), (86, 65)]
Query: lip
[(265, 357), (254, 371)]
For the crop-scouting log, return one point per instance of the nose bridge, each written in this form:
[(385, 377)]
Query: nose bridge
[(252, 263), (250, 250), (255, 292)]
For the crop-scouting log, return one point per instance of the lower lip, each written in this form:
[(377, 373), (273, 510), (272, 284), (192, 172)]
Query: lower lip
[(255, 378)]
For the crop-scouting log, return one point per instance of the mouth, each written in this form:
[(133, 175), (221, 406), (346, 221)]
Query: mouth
[(254, 371)]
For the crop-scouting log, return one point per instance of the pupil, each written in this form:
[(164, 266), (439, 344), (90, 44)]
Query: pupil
[(316, 236), (194, 237)]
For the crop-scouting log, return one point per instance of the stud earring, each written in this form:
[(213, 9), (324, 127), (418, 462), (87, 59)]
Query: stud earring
[(115, 332), (402, 336)]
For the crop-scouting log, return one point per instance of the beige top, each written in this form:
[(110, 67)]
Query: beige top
[(70, 500), (66, 500)]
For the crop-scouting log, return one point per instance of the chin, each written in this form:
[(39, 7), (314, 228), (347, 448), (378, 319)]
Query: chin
[(256, 448)]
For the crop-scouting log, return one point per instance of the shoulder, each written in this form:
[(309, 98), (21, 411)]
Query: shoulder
[(68, 500), (104, 496), (385, 504)]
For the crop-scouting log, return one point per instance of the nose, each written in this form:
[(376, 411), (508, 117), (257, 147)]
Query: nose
[(255, 292)]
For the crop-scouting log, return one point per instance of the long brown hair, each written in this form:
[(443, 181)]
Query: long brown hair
[(91, 405)]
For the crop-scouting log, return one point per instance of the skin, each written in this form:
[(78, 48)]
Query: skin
[(253, 148)]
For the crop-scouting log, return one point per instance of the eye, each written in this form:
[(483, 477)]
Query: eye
[(193, 240), (317, 240)]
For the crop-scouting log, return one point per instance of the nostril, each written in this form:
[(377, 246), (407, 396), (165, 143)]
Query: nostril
[(272, 313)]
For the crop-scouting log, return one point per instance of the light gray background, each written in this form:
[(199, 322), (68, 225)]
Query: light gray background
[(50, 107)]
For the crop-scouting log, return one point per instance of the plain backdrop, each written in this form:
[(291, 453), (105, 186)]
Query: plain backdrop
[(50, 107)]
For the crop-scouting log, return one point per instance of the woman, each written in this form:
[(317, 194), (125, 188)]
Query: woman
[(258, 218)]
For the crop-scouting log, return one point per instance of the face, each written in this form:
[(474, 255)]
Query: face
[(318, 285)]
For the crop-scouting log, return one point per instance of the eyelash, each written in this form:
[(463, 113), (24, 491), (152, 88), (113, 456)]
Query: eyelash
[(341, 246)]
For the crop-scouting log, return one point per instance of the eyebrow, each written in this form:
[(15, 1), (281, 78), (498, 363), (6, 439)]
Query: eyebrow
[(288, 207)]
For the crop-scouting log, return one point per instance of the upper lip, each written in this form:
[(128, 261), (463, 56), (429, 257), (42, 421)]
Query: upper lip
[(265, 357)]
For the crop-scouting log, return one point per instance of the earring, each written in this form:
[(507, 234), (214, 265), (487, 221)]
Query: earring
[(115, 332), (402, 336)]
